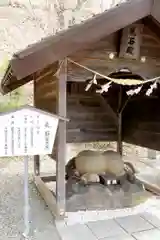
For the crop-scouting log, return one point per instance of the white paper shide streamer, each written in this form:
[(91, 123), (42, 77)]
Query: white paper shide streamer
[(152, 87), (104, 88), (134, 91), (93, 81)]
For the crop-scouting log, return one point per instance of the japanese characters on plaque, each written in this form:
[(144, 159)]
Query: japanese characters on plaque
[(26, 132), (131, 41), (47, 135)]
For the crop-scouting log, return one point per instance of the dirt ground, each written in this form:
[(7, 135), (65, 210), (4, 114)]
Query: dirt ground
[(11, 205)]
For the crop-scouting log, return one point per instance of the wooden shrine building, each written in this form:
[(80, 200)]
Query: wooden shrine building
[(120, 47)]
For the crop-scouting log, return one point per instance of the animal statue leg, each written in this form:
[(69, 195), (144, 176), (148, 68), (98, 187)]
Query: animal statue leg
[(130, 172), (71, 169), (90, 178)]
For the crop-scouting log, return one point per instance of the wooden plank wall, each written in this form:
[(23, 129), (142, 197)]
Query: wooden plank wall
[(90, 118), (46, 89), (97, 57)]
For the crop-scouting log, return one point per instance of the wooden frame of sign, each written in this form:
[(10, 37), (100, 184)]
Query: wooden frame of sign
[(56, 200)]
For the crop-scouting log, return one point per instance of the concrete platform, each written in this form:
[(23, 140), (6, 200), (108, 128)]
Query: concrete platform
[(143, 226)]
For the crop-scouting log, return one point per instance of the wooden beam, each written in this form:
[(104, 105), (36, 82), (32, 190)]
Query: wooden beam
[(48, 178), (61, 148), (119, 140), (54, 48), (14, 84), (46, 195), (152, 187)]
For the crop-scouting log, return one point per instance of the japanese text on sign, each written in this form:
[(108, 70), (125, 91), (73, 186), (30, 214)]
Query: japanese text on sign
[(27, 132)]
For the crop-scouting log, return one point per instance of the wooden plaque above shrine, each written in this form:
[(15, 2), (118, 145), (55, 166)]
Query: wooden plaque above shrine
[(131, 42)]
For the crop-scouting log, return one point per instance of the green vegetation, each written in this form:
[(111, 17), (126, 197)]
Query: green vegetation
[(11, 101), (15, 98), (4, 65)]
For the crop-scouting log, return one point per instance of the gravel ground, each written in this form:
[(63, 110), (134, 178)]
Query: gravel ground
[(11, 205)]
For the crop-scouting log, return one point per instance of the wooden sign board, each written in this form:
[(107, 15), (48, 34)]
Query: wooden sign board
[(27, 131), (131, 42)]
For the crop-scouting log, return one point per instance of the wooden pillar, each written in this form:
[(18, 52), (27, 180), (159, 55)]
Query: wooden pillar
[(119, 138), (119, 142), (61, 141), (36, 157)]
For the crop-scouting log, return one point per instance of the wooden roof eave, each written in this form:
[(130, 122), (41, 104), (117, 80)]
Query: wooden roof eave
[(9, 82), (7, 77), (54, 48), (78, 37)]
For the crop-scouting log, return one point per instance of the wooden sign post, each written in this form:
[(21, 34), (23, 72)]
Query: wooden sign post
[(26, 132)]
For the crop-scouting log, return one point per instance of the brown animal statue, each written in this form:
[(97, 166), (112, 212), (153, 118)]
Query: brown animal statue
[(89, 161), (89, 165), (114, 163)]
